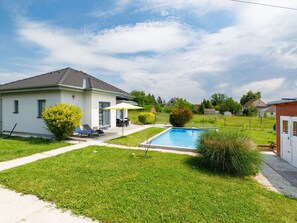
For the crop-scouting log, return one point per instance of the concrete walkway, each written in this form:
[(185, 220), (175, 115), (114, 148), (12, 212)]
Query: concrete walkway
[(17, 208), (280, 175)]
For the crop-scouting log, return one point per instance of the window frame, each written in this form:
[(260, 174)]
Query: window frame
[(40, 107), (15, 106), (285, 129)]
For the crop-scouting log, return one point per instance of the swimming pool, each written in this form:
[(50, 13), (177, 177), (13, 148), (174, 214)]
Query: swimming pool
[(185, 139)]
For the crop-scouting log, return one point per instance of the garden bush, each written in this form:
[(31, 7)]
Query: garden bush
[(180, 117), (62, 119), (230, 152), (146, 117)]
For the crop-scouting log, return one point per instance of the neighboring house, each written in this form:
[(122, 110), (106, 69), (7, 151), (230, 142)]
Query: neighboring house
[(257, 103), (209, 111), (171, 102), (286, 129), (23, 101), (196, 107), (269, 112)]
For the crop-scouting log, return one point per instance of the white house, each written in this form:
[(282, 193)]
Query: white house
[(23, 101)]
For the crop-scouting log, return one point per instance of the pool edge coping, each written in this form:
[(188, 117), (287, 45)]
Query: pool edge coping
[(179, 148)]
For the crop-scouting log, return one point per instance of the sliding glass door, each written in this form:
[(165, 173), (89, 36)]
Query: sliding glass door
[(104, 115)]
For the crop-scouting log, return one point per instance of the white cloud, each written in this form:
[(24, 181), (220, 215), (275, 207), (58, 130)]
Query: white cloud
[(200, 7), (167, 85), (9, 76), (117, 7), (176, 53), (222, 85), (67, 46), (265, 86), (143, 37)]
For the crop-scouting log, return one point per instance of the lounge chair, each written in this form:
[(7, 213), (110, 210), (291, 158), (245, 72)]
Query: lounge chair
[(92, 131), (87, 130), (82, 131)]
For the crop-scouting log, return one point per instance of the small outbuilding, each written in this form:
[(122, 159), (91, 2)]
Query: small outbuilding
[(286, 129), (209, 111), (227, 113)]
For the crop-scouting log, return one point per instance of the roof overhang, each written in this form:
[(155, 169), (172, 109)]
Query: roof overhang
[(66, 88), (283, 101)]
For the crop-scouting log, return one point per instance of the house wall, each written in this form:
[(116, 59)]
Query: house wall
[(26, 119), (88, 102), (95, 99), (288, 109), (77, 99)]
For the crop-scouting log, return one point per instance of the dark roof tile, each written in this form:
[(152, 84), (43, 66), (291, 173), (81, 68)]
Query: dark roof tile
[(68, 76)]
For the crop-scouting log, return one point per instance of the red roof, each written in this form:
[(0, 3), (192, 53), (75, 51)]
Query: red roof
[(255, 103)]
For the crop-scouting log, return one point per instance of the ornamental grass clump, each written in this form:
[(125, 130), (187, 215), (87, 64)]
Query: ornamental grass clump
[(230, 152)]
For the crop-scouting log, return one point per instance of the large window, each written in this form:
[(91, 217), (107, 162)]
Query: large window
[(41, 106), (104, 115), (16, 106)]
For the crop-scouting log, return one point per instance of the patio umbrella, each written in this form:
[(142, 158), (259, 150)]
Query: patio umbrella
[(122, 106)]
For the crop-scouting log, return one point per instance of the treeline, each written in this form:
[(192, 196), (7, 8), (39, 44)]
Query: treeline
[(147, 101), (218, 101), (222, 103)]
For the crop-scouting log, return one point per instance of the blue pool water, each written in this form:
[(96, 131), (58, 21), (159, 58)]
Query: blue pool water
[(178, 137)]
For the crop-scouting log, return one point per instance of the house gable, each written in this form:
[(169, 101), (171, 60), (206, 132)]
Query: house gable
[(257, 103)]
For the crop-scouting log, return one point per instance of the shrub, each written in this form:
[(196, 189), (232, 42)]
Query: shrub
[(62, 119), (167, 109), (250, 111), (274, 127), (146, 117), (180, 117), (230, 152)]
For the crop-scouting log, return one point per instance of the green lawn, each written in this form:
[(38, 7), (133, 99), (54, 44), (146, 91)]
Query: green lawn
[(219, 121), (136, 138), (109, 185), (261, 137), (260, 130), (16, 147)]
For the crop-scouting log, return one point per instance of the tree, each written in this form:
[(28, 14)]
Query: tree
[(218, 99), (62, 119), (249, 96), (206, 103), (150, 99), (182, 104), (230, 105), (139, 97), (159, 100), (201, 109)]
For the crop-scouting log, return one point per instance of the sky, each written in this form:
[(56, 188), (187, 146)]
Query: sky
[(170, 48)]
